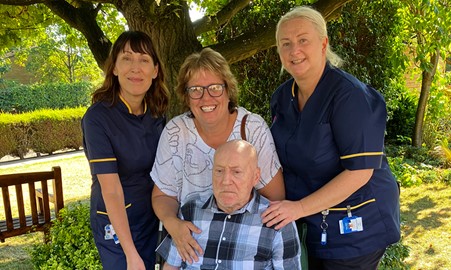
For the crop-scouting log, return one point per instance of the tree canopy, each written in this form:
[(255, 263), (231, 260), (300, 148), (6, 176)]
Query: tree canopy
[(166, 21), (428, 26)]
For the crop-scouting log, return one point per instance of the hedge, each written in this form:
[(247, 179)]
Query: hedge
[(42, 131), (18, 98)]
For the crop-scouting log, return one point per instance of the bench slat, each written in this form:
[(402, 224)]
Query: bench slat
[(20, 205), (34, 209), (7, 205), (39, 216)]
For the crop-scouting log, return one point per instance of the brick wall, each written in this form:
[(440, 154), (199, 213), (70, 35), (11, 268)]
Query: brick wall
[(19, 74)]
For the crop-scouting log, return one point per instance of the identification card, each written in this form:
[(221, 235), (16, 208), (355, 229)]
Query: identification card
[(351, 225), (111, 234)]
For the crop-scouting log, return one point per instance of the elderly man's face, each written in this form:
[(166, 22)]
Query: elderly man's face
[(235, 173)]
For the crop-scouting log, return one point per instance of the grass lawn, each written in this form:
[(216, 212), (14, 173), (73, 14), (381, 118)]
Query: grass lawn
[(425, 213), (76, 187), (426, 217)]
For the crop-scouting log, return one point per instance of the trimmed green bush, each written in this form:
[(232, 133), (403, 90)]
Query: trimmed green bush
[(71, 243), (7, 141), (26, 98), (43, 131), (16, 129), (56, 129)]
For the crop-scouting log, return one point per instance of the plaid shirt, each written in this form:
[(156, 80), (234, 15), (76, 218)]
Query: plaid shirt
[(236, 241)]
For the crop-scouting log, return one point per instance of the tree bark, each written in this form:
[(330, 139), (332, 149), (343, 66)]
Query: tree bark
[(426, 82)]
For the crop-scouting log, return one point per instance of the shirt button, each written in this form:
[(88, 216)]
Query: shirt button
[(219, 261), (229, 216), (223, 238)]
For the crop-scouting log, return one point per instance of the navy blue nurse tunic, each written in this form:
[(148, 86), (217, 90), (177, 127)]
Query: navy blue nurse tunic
[(341, 127), (117, 141)]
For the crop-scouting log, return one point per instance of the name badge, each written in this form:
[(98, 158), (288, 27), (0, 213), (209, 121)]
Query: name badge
[(111, 234), (350, 225)]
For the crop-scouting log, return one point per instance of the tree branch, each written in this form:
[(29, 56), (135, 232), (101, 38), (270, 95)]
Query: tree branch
[(330, 9), (208, 23), (83, 18), (248, 44)]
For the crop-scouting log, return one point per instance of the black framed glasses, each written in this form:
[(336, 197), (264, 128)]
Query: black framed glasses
[(197, 92)]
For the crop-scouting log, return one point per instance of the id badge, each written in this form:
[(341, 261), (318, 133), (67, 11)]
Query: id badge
[(111, 234), (351, 225)]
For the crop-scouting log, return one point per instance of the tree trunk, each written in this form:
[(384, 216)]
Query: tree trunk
[(173, 37), (426, 82)]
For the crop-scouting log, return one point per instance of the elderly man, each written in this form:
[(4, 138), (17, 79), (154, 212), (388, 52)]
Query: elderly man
[(233, 235)]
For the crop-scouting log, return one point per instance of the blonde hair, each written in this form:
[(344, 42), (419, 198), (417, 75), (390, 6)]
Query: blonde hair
[(310, 14)]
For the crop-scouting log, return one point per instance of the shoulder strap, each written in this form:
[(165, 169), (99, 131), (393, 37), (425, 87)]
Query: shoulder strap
[(243, 127)]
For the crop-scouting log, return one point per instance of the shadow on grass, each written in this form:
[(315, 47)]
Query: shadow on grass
[(423, 214), (14, 253)]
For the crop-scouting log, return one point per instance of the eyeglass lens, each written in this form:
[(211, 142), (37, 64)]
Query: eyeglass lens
[(214, 90)]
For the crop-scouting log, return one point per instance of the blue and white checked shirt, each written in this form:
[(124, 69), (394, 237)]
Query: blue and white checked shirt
[(236, 241)]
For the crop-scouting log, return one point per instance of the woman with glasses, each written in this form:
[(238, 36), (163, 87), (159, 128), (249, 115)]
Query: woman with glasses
[(183, 164)]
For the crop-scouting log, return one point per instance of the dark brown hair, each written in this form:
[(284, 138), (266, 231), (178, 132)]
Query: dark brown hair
[(157, 97)]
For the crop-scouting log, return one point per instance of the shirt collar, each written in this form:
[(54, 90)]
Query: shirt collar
[(251, 206), (124, 102), (294, 85)]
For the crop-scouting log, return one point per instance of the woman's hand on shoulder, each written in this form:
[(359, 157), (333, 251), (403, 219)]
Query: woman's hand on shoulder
[(187, 246), (281, 213)]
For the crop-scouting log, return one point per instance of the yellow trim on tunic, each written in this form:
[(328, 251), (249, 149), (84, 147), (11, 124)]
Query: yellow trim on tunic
[(130, 108), (102, 160), (362, 154), (353, 207), (126, 104), (105, 213)]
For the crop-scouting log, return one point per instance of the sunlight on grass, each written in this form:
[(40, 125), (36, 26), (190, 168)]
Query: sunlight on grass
[(13, 253), (75, 173), (76, 186), (426, 214)]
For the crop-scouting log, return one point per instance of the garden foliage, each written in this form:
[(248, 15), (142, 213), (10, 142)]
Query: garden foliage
[(71, 243), (19, 98), (43, 131)]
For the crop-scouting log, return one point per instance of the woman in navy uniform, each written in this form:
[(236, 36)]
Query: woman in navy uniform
[(120, 136), (328, 128)]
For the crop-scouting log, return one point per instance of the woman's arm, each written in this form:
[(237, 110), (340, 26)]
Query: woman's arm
[(166, 208), (336, 191), (275, 189), (113, 196)]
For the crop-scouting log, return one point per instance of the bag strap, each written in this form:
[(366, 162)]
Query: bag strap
[(243, 127)]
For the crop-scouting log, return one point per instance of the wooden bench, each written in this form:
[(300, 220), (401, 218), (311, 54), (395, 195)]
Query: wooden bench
[(38, 216)]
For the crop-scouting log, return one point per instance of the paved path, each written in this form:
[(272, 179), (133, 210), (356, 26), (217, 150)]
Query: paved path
[(31, 159)]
